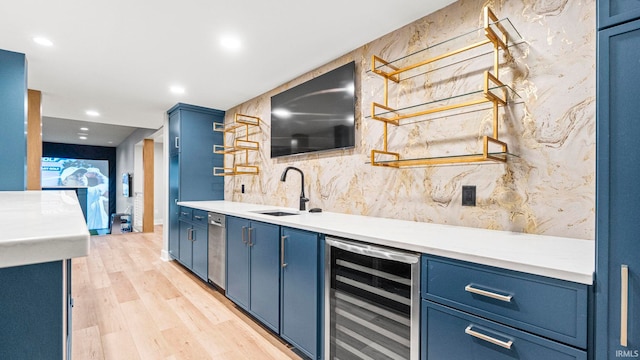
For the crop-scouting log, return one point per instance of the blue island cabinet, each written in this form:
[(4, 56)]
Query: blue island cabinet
[(301, 291), (253, 269), (617, 320), (35, 307), (191, 162)]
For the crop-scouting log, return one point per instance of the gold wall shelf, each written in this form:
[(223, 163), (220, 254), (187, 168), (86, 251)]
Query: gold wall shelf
[(499, 34), (239, 132)]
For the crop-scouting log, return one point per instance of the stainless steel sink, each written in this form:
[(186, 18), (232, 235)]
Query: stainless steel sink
[(276, 213)]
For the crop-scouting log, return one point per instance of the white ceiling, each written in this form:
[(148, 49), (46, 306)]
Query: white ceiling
[(120, 57)]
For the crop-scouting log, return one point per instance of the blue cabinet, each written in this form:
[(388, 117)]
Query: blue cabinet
[(13, 100), (472, 311), (35, 307), (301, 290), (455, 334), (618, 170), (193, 241), (191, 162), (614, 12), (253, 269), (237, 261)]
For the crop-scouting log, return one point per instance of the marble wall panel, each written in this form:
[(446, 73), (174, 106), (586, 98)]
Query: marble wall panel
[(548, 188)]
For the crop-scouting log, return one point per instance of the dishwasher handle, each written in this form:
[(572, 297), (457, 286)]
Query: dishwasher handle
[(374, 251)]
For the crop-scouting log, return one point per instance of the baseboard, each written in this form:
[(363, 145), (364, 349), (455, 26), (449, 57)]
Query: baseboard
[(164, 255)]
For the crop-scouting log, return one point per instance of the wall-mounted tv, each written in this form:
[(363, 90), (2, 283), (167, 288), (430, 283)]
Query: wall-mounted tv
[(316, 115)]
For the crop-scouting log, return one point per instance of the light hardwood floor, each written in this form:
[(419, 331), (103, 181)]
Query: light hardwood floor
[(129, 304)]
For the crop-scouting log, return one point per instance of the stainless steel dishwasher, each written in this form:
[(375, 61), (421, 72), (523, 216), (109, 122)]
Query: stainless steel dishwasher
[(217, 250), (372, 301)]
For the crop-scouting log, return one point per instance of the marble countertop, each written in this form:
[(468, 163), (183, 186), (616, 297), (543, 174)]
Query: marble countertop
[(557, 257), (41, 226)]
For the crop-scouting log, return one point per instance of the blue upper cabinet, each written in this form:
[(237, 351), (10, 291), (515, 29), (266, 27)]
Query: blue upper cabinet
[(618, 171), (13, 101), (613, 12), (191, 135)]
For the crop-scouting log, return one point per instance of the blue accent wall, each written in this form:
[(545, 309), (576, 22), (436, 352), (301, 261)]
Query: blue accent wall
[(13, 102), (87, 152)]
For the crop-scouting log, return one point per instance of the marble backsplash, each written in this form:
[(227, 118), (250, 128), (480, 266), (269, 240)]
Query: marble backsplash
[(547, 188)]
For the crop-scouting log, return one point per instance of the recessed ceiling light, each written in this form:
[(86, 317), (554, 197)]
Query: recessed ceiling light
[(177, 89), (83, 134), (84, 128), (109, 142), (231, 43), (42, 41), (82, 137), (92, 113)]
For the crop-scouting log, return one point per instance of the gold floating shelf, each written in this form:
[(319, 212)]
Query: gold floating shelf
[(236, 170), (485, 156), (239, 131), (493, 92)]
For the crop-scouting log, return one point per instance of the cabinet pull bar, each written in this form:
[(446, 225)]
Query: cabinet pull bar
[(198, 217), (471, 289), (250, 231), (244, 238), (505, 344), (282, 239), (624, 303)]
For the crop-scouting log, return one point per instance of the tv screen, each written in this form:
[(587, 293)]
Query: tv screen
[(316, 115), (81, 173)]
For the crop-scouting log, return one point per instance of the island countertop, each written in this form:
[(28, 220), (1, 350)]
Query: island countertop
[(557, 257), (41, 226)]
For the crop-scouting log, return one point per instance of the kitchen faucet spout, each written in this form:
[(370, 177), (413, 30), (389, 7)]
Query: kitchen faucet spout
[(303, 199)]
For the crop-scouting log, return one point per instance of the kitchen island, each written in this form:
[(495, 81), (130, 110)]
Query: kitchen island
[(41, 232)]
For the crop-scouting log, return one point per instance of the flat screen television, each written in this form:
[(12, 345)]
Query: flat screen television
[(71, 173), (316, 115)]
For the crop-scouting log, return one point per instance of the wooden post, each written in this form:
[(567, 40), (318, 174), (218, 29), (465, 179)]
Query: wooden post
[(34, 140), (147, 163)]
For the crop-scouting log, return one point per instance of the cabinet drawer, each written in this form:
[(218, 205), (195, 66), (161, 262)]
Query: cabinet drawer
[(549, 307), (451, 334), (186, 213), (200, 217)]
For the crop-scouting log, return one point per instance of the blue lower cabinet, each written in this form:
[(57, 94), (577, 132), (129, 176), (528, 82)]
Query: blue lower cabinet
[(253, 269), (193, 242), (186, 255), (237, 262), (451, 334), (265, 273), (300, 290)]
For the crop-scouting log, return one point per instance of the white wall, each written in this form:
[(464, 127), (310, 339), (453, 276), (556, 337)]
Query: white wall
[(125, 162)]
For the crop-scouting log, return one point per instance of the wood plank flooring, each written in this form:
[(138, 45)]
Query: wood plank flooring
[(129, 304)]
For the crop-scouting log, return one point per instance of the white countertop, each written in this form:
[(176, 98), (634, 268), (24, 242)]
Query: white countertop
[(557, 257), (41, 226)]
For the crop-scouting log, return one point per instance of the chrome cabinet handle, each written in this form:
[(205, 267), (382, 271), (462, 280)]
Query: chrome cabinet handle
[(624, 303), (471, 289), (198, 217), (244, 239), (282, 239), (190, 234), (250, 231), (176, 142), (505, 344)]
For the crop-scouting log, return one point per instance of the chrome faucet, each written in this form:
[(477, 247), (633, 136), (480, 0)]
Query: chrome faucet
[(303, 199)]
